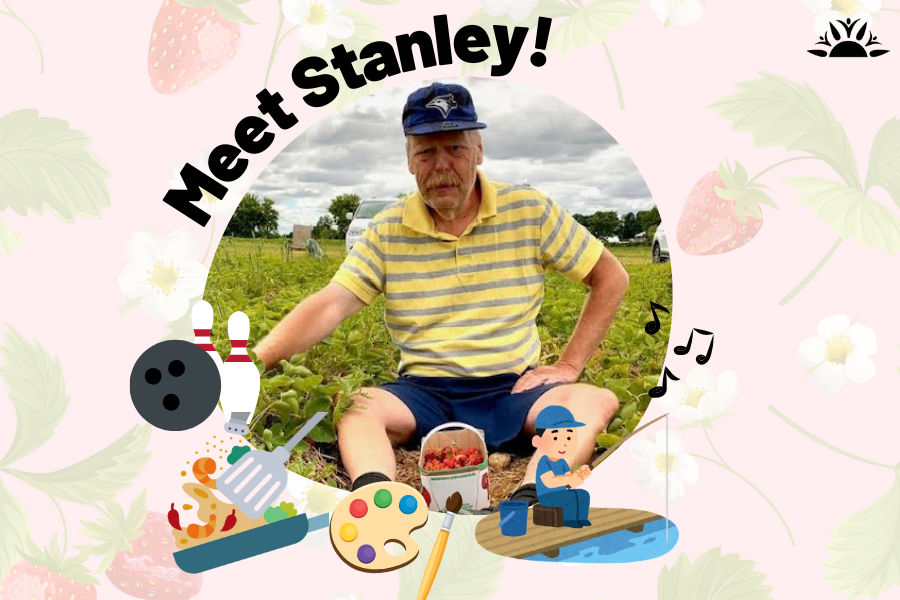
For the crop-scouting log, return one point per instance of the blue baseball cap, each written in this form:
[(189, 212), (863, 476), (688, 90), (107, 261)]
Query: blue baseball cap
[(556, 417), (439, 107)]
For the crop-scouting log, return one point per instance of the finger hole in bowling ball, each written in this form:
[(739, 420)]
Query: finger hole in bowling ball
[(171, 402), (153, 376), (176, 368)]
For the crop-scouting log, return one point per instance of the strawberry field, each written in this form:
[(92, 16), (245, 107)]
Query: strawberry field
[(260, 279)]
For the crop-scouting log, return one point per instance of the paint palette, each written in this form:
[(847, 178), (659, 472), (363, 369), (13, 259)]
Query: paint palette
[(372, 516)]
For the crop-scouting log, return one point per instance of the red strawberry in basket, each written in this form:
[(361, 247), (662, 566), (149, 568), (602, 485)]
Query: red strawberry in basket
[(187, 45), (25, 581), (721, 213)]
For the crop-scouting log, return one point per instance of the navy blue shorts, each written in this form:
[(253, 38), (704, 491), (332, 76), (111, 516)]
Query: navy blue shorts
[(482, 402)]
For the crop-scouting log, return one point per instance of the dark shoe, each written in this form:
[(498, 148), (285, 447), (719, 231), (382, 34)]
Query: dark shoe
[(585, 522), (526, 493), (573, 524)]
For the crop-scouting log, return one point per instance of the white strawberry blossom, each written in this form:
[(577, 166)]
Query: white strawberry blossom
[(318, 20), (165, 274), (518, 9), (841, 10), (840, 352), (652, 475), (701, 396), (677, 12)]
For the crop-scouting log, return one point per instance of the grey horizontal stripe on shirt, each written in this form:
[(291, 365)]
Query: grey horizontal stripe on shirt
[(565, 245), (578, 253), (365, 278), (465, 289), (465, 269), (462, 251), (468, 372), (519, 204), (437, 354), (355, 253), (384, 220), (409, 239), (483, 229), (414, 329), (440, 310), (513, 188), (483, 335), (552, 237), (375, 250)]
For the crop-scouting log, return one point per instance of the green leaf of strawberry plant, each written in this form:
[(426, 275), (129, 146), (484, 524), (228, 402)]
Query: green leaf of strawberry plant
[(761, 197), (850, 212), (591, 24), (15, 529), (98, 477), (712, 577), (740, 174), (47, 165), (8, 239), (884, 160), (37, 391), (726, 194), (778, 112)]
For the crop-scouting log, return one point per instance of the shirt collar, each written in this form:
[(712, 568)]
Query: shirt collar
[(417, 217)]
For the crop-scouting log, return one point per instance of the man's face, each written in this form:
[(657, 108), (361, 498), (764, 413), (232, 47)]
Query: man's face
[(445, 167), (557, 443)]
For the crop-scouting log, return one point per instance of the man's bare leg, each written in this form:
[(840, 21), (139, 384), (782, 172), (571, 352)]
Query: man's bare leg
[(591, 405), (367, 431)]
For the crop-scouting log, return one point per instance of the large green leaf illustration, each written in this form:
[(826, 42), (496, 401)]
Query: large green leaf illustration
[(865, 548), (37, 390), (591, 24), (778, 112), (551, 9), (365, 30), (850, 212), (14, 529), (98, 477), (884, 160), (8, 238), (47, 165), (467, 571), (712, 577)]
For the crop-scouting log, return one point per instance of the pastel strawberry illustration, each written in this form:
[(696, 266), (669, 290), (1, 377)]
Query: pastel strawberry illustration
[(722, 212), (190, 44), (26, 581)]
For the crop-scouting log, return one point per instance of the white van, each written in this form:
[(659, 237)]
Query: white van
[(359, 220)]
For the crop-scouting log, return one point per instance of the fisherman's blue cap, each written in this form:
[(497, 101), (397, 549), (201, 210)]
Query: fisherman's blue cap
[(439, 107), (556, 417)]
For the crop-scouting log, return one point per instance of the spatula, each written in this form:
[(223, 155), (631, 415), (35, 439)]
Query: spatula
[(253, 481)]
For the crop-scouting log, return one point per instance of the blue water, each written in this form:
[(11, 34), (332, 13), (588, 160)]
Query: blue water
[(619, 547)]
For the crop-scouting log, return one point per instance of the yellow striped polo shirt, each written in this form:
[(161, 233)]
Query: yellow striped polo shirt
[(466, 306)]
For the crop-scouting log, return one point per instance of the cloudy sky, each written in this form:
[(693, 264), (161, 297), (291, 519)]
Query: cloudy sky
[(531, 137)]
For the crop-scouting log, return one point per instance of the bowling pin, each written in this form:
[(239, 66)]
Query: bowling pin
[(240, 377), (202, 322)]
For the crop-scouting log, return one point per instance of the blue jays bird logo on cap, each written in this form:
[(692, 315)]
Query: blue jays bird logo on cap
[(444, 103)]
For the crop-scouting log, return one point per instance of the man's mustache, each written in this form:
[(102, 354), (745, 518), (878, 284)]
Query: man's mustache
[(442, 180)]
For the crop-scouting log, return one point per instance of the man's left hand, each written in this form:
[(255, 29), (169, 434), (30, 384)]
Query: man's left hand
[(558, 373)]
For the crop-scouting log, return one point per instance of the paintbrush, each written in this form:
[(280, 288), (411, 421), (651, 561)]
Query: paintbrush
[(454, 503)]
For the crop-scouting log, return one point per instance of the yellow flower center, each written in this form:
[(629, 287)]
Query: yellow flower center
[(316, 15), (210, 199), (661, 462), (838, 349), (693, 397), (164, 277), (847, 8)]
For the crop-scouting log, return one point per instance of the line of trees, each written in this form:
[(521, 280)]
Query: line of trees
[(333, 226), (606, 224), (254, 218)]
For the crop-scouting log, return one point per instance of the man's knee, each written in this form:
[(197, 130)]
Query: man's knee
[(366, 407), (582, 494), (593, 405)]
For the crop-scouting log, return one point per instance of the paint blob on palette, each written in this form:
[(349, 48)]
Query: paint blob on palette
[(372, 516)]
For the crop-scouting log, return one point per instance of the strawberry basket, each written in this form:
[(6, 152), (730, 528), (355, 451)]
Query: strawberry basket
[(454, 458)]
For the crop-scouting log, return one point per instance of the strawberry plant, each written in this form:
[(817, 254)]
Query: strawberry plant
[(256, 277)]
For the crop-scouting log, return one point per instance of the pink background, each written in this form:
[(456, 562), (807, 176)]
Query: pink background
[(61, 288)]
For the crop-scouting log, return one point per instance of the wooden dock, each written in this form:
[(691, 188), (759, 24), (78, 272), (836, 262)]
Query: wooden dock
[(548, 540)]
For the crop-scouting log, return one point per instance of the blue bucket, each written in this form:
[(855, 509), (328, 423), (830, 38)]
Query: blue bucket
[(513, 518)]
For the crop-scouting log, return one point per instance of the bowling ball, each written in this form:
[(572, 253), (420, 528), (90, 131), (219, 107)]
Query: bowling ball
[(175, 385)]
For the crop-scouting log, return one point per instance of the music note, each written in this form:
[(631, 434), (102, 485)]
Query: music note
[(653, 327), (702, 359), (660, 391)]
